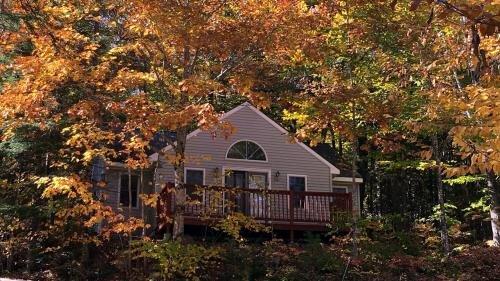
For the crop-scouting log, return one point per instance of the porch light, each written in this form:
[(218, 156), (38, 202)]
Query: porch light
[(277, 174)]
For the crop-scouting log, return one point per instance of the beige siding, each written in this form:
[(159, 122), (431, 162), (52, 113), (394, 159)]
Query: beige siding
[(283, 156)]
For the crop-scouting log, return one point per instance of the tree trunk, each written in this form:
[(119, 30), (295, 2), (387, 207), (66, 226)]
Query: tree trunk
[(355, 229), (439, 182), (180, 191), (341, 148), (333, 142), (129, 259), (371, 183), (141, 183), (494, 207)]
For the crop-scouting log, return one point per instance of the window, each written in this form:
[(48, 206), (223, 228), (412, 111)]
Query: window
[(193, 178), (297, 184), (246, 150), (124, 194), (339, 189)]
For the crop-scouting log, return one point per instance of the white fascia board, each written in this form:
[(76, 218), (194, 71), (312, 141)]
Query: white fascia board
[(347, 179)]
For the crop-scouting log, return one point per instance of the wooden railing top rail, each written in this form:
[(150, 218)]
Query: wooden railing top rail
[(268, 205), (170, 186)]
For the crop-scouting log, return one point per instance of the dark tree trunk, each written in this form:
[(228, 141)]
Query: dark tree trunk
[(180, 192), (129, 258), (141, 184), (355, 229), (341, 148), (439, 182)]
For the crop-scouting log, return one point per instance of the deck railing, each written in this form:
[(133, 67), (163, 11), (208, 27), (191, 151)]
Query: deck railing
[(284, 206)]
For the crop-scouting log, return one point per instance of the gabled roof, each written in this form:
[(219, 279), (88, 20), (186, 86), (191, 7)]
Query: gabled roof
[(333, 169)]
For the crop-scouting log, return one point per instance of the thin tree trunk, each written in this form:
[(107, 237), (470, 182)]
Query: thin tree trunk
[(494, 208), (355, 229), (129, 258), (143, 234), (180, 149), (141, 183), (371, 174), (439, 182), (341, 148), (332, 135), (157, 189), (129, 193), (180, 191)]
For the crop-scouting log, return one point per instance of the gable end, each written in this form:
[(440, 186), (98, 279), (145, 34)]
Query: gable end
[(333, 169)]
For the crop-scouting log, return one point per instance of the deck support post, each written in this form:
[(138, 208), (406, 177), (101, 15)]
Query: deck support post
[(292, 213)]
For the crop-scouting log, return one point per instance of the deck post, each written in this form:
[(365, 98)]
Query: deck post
[(292, 235)]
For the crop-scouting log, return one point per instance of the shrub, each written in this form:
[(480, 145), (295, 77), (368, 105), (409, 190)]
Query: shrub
[(174, 260)]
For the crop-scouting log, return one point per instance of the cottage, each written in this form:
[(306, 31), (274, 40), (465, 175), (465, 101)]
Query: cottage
[(282, 181)]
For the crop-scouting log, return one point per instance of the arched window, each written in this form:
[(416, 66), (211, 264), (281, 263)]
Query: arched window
[(246, 150)]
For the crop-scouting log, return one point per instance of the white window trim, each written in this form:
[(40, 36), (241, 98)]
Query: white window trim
[(243, 169), (194, 169), (247, 160), (295, 175), (341, 186), (120, 174), (305, 189)]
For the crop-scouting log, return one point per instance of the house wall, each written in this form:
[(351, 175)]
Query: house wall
[(208, 151)]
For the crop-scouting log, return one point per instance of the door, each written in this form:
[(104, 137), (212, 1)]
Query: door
[(237, 179), (257, 202), (249, 203)]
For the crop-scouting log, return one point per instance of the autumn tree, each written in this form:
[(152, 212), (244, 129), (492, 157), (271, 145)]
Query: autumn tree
[(389, 66), (467, 86), (53, 87), (197, 51), (345, 101), (108, 72)]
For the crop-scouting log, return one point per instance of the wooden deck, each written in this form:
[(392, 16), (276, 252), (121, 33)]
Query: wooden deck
[(281, 209)]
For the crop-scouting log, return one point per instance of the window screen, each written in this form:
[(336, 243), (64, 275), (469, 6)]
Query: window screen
[(297, 184), (194, 178), (339, 189), (124, 191)]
